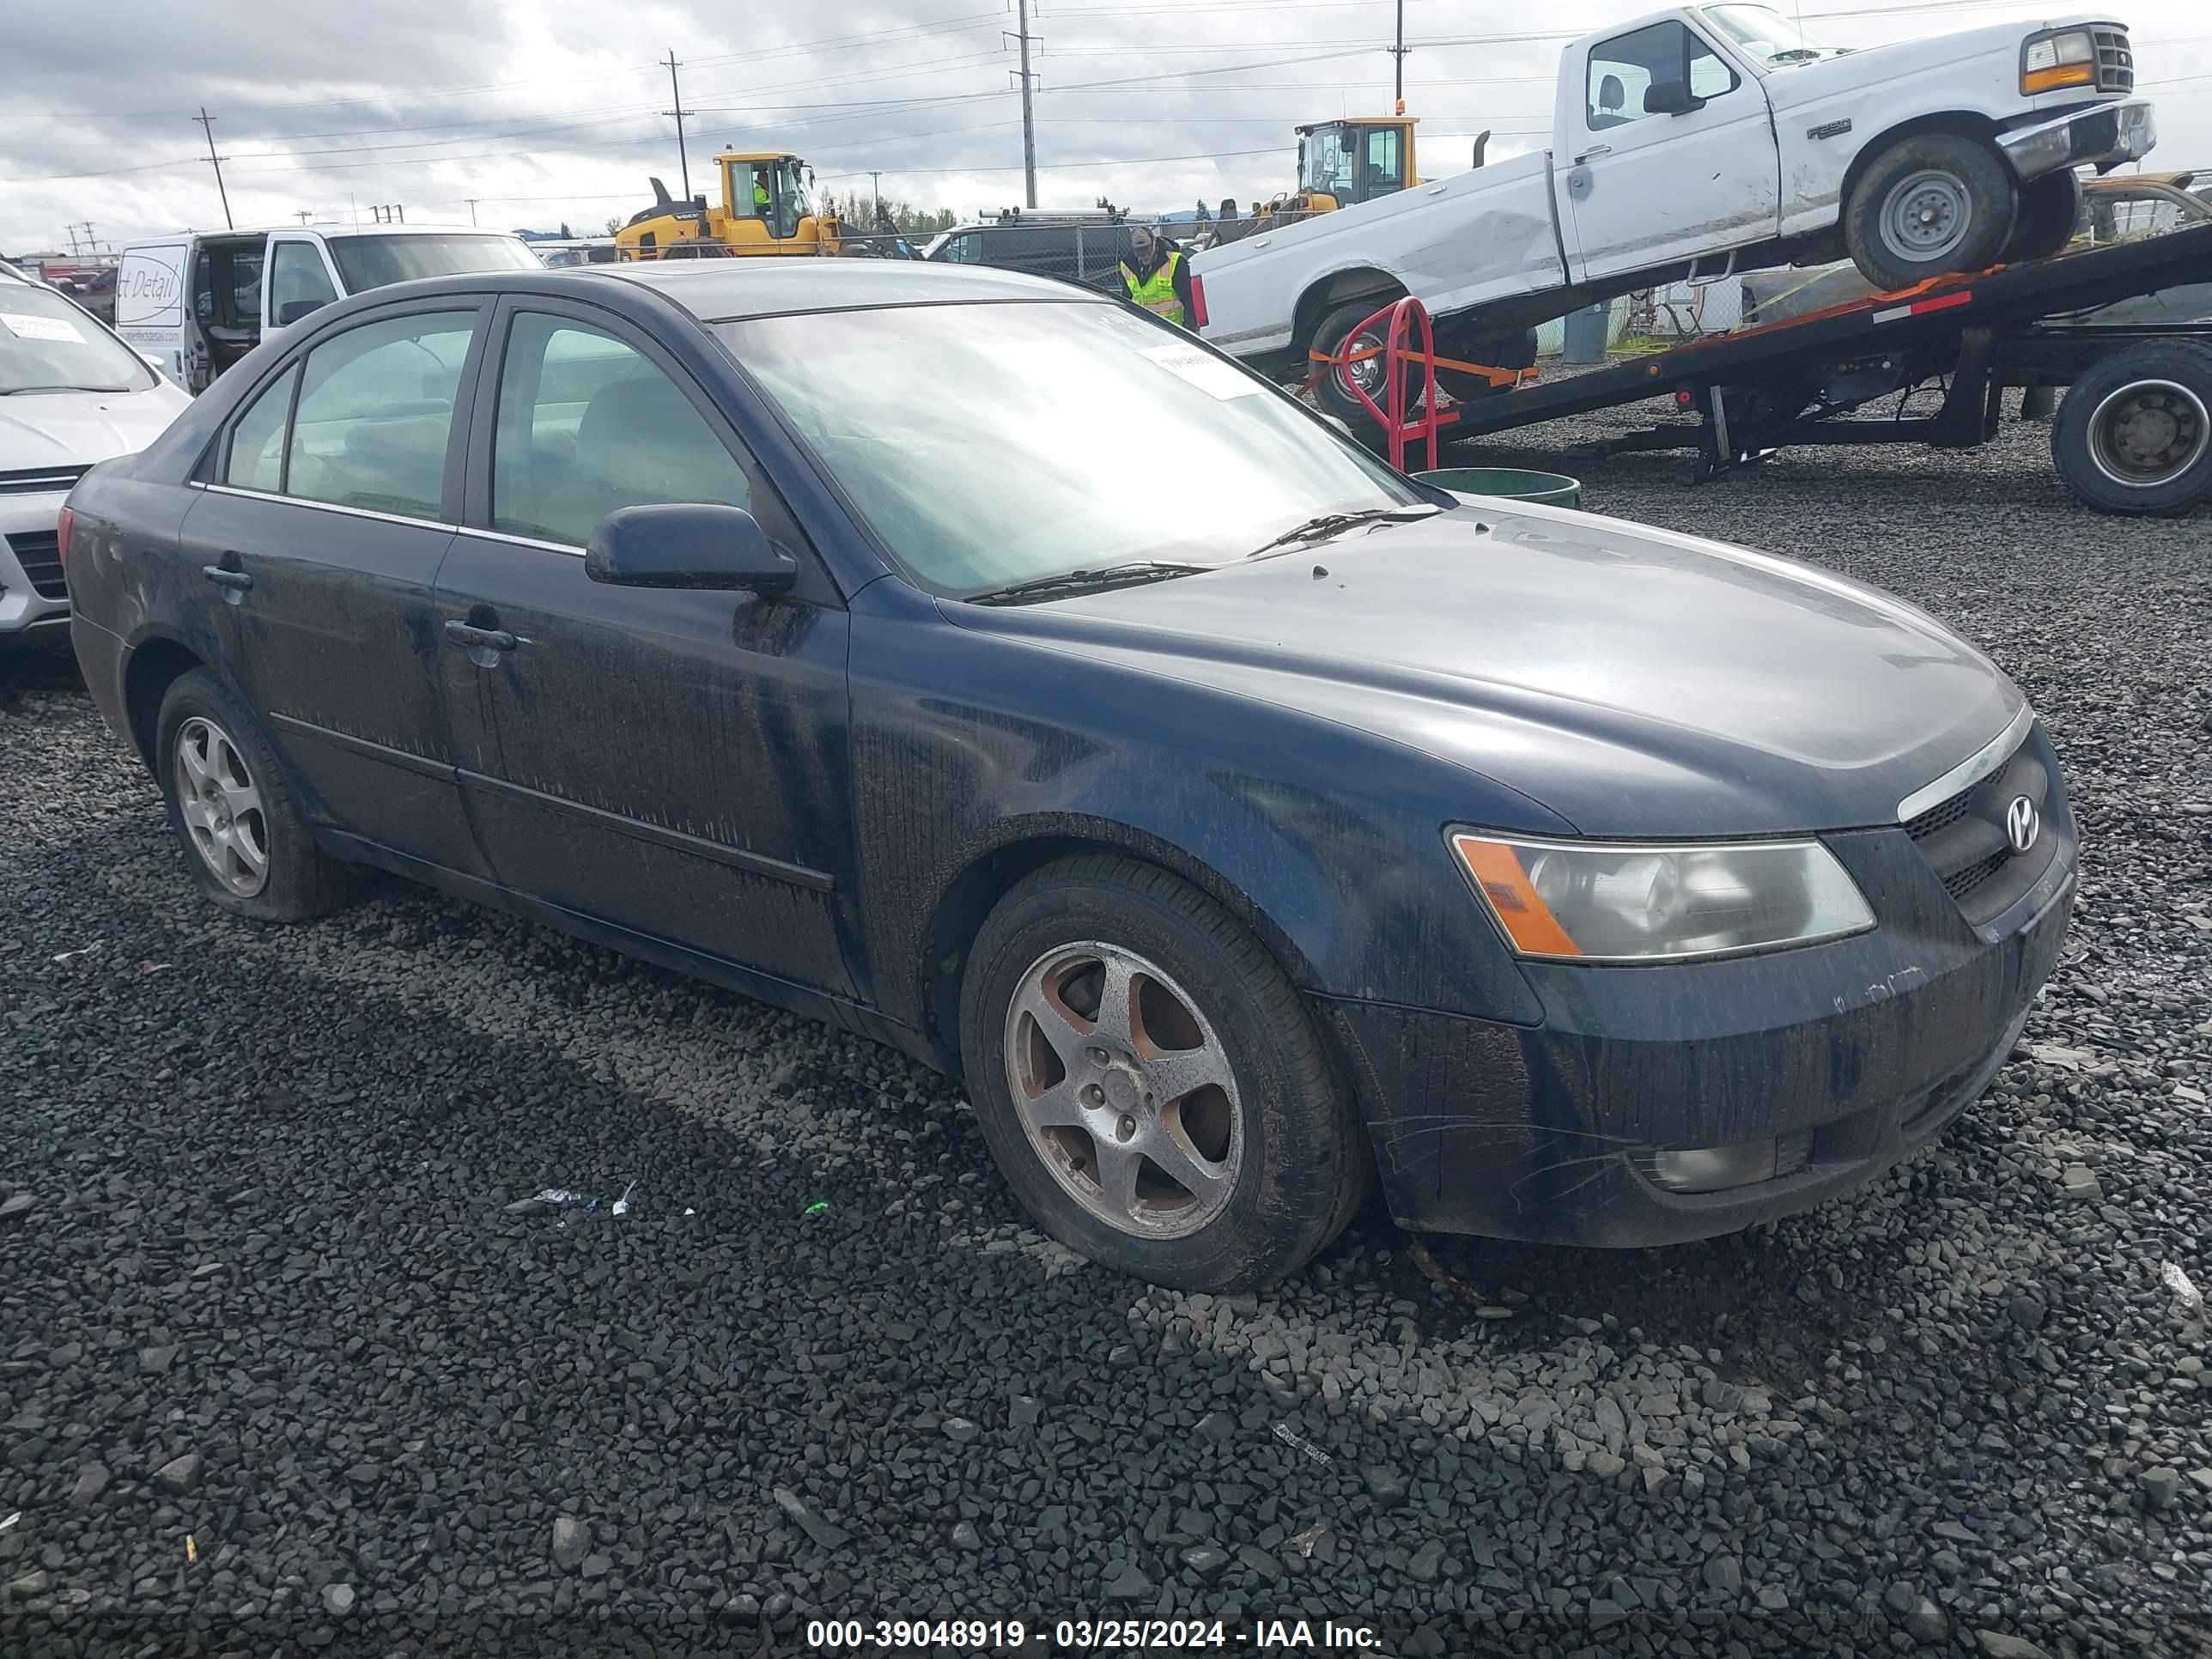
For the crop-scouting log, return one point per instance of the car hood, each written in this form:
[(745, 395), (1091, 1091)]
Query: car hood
[(1868, 68), (1632, 681), (76, 429)]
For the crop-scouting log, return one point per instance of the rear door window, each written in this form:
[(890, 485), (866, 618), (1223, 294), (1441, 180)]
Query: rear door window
[(375, 414), (257, 438)]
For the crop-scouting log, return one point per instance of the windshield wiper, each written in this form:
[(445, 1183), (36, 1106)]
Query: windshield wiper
[(1087, 581), (1327, 523), (9, 391), (1794, 55)]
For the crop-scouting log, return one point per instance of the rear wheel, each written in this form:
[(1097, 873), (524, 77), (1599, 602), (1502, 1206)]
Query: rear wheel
[(231, 809), (1930, 203), (2133, 434), (1335, 392), (1151, 1085), (2049, 207)]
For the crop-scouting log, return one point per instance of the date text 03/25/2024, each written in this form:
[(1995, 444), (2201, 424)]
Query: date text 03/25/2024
[(1087, 1635)]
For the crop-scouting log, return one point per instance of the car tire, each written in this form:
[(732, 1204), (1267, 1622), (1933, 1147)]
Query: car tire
[(1930, 203), (1262, 1163), (2049, 208), (2133, 434), (1335, 396), (232, 809)]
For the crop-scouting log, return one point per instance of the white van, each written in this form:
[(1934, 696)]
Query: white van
[(198, 301)]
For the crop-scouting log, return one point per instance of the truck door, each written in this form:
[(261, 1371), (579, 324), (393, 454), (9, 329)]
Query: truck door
[(1670, 153), (300, 280)]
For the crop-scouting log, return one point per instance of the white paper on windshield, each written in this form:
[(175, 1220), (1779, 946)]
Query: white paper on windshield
[(1209, 375), (25, 327)]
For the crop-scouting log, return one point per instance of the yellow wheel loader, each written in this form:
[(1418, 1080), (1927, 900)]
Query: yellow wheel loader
[(767, 209)]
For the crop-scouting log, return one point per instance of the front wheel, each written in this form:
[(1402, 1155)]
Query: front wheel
[(1151, 1084), (2133, 434), (2049, 207), (1930, 204)]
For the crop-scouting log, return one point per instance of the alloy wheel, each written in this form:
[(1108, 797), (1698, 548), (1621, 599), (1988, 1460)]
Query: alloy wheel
[(220, 806), (1124, 1089)]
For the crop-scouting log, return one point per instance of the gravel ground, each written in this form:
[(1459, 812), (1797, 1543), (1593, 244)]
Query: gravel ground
[(289, 1361)]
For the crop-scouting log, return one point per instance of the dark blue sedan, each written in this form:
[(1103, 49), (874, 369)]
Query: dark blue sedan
[(995, 671)]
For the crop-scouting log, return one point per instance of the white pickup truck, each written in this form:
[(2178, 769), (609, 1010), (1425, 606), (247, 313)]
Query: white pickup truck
[(1696, 142)]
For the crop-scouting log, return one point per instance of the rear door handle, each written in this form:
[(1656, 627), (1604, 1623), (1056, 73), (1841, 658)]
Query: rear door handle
[(225, 578), (1593, 153), (490, 639)]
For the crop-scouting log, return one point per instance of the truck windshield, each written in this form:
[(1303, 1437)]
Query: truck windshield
[(990, 445), (47, 344), (1325, 162), (1766, 36), (372, 261)]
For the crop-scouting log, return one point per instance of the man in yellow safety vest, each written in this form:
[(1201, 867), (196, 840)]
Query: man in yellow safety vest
[(1157, 276)]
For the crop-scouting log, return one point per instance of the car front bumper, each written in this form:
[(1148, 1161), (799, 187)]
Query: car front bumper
[(1851, 1055), (32, 592), (2101, 136)]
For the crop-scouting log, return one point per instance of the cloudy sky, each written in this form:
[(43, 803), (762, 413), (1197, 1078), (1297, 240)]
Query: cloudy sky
[(552, 110)]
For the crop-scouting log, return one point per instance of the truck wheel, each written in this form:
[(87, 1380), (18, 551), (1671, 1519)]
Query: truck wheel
[(2049, 207), (2133, 434), (1928, 204), (1332, 394), (1514, 349), (1150, 1084)]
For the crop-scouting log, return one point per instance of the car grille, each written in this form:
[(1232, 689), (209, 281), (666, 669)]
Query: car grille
[(41, 480), (39, 553), (1966, 841), (2115, 62)]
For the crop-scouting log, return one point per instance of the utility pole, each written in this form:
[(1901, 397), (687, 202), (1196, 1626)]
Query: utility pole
[(876, 179), (303, 214), (472, 202), (682, 156), (1398, 52), (1029, 118), (206, 122)]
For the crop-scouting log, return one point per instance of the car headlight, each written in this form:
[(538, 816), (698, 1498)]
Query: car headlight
[(1614, 901), (2049, 61)]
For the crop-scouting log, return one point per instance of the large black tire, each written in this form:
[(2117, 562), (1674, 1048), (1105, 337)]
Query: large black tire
[(203, 730), (1284, 1136), (1930, 203), (2133, 434), (1332, 394), (2049, 208), (1513, 349)]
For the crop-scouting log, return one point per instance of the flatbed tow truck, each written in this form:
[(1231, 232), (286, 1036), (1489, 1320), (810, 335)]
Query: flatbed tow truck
[(2134, 435)]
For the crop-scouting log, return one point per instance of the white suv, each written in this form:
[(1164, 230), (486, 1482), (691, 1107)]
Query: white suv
[(71, 393)]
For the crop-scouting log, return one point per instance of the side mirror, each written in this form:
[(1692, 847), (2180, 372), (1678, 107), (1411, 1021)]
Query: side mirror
[(687, 544), (292, 310), (1670, 98)]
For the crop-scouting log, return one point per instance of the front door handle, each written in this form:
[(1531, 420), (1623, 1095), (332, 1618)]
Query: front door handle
[(488, 639), (237, 581), (1593, 153)]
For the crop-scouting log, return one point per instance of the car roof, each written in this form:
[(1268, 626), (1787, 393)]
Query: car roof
[(320, 230), (726, 290)]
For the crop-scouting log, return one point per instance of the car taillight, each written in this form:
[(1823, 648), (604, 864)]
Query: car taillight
[(63, 525), (1197, 300)]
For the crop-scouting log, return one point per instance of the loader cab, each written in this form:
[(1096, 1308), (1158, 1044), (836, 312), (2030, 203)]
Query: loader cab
[(771, 192), (1342, 163)]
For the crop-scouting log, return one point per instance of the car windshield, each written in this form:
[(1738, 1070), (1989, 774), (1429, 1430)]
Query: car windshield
[(991, 445), (367, 262), (46, 343), (1767, 36)]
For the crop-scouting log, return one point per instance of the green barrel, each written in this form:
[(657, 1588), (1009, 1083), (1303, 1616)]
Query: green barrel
[(1510, 484)]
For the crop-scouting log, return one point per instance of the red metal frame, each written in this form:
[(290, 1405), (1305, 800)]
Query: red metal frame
[(1400, 318)]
